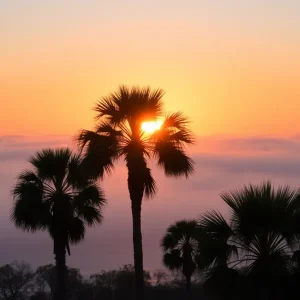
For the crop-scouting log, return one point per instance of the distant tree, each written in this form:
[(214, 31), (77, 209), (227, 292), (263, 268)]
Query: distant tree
[(74, 283), (104, 284), (125, 282), (16, 281), (86, 292), (116, 284), (39, 296), (46, 281), (159, 277), (55, 196), (180, 246), (119, 134)]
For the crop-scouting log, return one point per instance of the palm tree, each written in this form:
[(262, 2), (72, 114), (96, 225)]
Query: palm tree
[(54, 196), (260, 236), (119, 134), (180, 246)]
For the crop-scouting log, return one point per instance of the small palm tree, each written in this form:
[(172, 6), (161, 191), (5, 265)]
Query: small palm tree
[(54, 196), (260, 236), (180, 246), (119, 134)]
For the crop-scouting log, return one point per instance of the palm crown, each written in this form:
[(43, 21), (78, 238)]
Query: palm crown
[(180, 245), (260, 237), (54, 196), (119, 133)]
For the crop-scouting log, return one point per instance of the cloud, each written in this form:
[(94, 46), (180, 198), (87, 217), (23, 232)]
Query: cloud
[(280, 165), (222, 163), (21, 147), (265, 144), (252, 145)]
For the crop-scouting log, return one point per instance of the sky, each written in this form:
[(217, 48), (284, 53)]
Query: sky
[(232, 66)]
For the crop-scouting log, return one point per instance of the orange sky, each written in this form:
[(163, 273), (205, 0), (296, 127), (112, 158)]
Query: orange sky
[(231, 76)]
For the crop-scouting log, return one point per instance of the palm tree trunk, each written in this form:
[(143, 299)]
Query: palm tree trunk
[(138, 250), (136, 183), (188, 287), (136, 191), (60, 268)]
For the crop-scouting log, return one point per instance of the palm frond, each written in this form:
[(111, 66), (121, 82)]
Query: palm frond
[(90, 214), (105, 128), (29, 176), (90, 195), (215, 225), (169, 143), (155, 101), (100, 152), (214, 246), (173, 259), (106, 107), (176, 121), (272, 209), (143, 104), (169, 242), (275, 262), (51, 164), (213, 252), (76, 230), (75, 174), (150, 184), (181, 138), (181, 231), (29, 212), (173, 160), (175, 129), (134, 104)]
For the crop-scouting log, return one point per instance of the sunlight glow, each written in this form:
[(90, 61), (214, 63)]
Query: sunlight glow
[(151, 126)]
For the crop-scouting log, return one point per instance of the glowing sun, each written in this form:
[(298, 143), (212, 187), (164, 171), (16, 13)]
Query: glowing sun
[(151, 126)]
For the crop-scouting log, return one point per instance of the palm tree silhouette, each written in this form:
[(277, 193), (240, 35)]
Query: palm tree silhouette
[(261, 236), (119, 133), (180, 246), (54, 196)]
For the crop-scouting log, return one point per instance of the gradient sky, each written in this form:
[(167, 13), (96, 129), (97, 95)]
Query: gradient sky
[(237, 62), (232, 66)]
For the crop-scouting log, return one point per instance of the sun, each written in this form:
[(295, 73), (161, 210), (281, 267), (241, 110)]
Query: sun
[(151, 126)]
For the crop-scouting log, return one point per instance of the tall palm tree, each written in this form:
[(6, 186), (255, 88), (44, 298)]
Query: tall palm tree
[(54, 196), (119, 134), (180, 246), (260, 236)]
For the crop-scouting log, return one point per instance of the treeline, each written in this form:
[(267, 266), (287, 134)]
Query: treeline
[(18, 281)]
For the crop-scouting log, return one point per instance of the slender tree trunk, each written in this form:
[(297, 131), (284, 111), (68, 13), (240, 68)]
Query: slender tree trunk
[(137, 170), (188, 267), (136, 191), (61, 269), (138, 250), (188, 287)]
